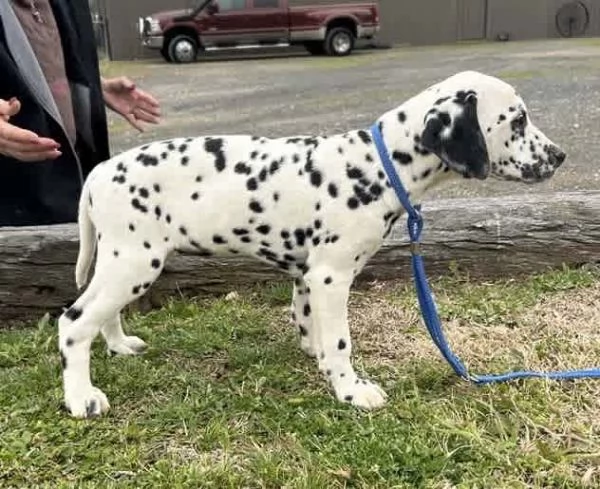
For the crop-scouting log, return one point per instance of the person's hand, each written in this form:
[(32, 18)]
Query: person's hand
[(135, 105), (19, 143)]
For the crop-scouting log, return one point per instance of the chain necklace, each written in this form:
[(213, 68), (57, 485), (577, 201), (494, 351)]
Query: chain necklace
[(35, 11)]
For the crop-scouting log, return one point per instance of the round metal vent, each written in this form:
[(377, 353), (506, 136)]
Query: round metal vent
[(572, 19)]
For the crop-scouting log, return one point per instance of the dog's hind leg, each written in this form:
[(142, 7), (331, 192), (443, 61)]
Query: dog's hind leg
[(302, 318), (116, 283), (117, 342), (330, 290)]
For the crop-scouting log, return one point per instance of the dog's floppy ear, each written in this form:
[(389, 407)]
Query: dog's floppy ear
[(452, 132)]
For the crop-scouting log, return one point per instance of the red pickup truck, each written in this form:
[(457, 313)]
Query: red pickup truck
[(210, 25)]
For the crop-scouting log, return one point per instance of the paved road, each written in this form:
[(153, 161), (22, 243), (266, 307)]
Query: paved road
[(299, 94)]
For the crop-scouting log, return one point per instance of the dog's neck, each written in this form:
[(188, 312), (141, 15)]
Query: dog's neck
[(418, 169)]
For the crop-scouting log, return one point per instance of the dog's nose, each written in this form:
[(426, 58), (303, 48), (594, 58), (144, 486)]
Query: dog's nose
[(557, 155)]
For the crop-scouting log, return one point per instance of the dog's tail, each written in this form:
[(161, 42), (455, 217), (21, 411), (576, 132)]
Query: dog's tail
[(87, 238)]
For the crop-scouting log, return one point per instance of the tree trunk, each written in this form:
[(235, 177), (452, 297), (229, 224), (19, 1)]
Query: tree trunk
[(486, 237)]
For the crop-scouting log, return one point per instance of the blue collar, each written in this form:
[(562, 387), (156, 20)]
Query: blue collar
[(415, 221)]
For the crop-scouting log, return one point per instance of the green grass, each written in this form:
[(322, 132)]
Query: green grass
[(225, 399)]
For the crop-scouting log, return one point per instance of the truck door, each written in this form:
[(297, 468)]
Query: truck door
[(269, 19), (224, 23)]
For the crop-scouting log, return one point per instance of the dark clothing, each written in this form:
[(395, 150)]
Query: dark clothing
[(48, 192)]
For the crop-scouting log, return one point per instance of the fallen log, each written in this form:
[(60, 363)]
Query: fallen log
[(485, 237)]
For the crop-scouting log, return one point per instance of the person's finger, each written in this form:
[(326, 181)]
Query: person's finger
[(142, 115), (9, 108), (32, 157), (134, 122), (147, 99), (19, 136), (28, 154)]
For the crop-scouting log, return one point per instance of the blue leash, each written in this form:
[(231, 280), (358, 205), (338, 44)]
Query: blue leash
[(428, 307)]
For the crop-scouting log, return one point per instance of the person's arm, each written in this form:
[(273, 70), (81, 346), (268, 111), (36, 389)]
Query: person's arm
[(19, 143), (135, 105)]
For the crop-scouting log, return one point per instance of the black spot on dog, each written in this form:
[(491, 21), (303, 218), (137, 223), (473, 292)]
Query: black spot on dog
[(73, 313), (316, 178), (255, 206), (215, 147), (402, 158), (183, 230), (164, 155), (353, 203), (63, 360), (143, 192), (262, 176), (354, 173), (365, 137), (183, 148), (195, 196), (440, 101), (136, 204), (306, 310), (303, 331), (245, 239), (156, 188), (155, 263), (119, 179), (252, 184), (240, 231), (116, 253), (70, 342), (242, 168), (148, 160), (185, 160), (332, 190), (219, 239), (131, 227), (328, 280), (147, 245), (401, 117), (349, 397), (276, 196), (264, 229), (168, 218), (135, 290), (300, 236)]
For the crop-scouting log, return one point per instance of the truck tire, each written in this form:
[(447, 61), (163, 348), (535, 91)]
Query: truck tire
[(183, 49), (164, 52), (339, 41), (315, 48)]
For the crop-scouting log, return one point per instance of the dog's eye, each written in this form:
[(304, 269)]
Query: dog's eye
[(521, 120)]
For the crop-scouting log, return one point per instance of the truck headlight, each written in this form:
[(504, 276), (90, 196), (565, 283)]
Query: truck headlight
[(149, 26)]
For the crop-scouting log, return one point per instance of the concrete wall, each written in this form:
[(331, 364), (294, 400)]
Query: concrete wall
[(402, 21)]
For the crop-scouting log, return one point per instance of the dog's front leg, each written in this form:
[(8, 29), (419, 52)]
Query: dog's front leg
[(330, 290), (302, 317)]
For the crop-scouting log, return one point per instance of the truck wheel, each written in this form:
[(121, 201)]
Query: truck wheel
[(315, 47), (339, 42), (183, 49), (164, 52)]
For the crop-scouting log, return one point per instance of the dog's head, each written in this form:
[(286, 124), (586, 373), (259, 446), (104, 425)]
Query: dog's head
[(480, 127)]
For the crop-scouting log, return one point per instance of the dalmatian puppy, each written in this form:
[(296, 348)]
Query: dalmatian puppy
[(316, 207)]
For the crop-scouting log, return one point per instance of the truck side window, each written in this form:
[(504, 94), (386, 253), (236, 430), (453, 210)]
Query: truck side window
[(225, 5), (266, 3)]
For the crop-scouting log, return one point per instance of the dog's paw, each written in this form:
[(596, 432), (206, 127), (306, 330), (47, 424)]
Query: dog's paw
[(90, 403), (129, 345), (363, 394)]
